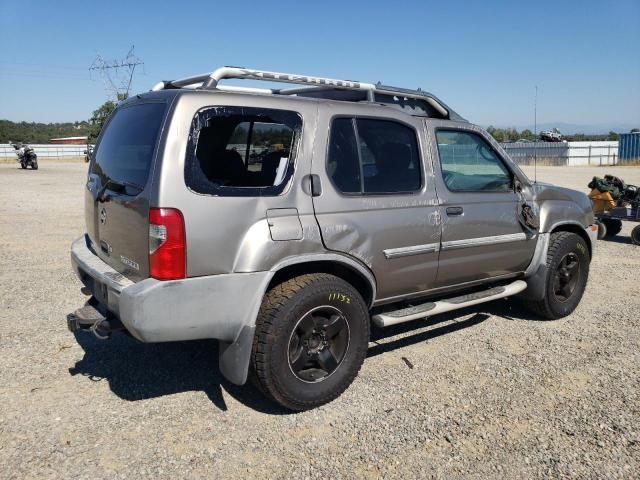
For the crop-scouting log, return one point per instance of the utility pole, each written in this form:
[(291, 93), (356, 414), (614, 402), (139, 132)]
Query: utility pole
[(117, 75)]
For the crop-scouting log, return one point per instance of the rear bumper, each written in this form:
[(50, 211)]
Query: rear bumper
[(217, 306)]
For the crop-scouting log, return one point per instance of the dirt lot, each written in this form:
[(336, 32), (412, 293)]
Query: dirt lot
[(484, 393)]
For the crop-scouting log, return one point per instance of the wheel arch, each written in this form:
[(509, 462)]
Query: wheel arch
[(536, 273), (347, 269), (578, 229), (234, 357)]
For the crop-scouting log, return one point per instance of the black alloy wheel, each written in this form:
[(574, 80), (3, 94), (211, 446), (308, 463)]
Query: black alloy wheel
[(566, 276), (312, 335), (318, 344)]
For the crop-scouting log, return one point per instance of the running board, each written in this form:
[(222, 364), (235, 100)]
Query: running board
[(448, 304)]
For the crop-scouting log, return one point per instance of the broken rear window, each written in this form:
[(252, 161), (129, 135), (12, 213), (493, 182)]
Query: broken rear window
[(241, 151)]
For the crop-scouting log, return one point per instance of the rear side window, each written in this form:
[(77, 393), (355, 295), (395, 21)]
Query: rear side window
[(344, 163), (241, 151), (370, 156), (125, 150), (469, 164)]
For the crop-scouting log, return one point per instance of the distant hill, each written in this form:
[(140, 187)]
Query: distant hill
[(40, 132)]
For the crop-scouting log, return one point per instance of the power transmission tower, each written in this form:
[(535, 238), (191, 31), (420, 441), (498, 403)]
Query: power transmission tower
[(117, 75)]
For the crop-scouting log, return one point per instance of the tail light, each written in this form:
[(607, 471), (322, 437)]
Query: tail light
[(167, 244)]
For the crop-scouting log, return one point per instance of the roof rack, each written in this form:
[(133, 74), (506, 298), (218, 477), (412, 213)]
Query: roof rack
[(318, 87)]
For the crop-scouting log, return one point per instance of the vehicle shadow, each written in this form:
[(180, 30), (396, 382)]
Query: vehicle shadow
[(378, 335), (512, 309), (626, 240), (139, 371)]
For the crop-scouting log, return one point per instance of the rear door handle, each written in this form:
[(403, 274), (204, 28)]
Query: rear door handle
[(454, 211)]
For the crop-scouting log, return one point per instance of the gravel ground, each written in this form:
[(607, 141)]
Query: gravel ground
[(482, 393)]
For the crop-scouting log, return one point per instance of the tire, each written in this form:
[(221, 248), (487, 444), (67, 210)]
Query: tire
[(23, 165), (292, 360), (567, 253), (34, 165), (635, 235), (613, 226), (602, 229)]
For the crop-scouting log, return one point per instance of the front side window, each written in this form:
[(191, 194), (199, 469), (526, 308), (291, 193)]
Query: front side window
[(241, 151), (370, 156), (469, 164)]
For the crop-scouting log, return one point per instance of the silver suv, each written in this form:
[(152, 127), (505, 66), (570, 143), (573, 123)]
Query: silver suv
[(284, 222)]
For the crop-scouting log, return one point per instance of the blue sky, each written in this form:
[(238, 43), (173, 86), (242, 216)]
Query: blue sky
[(482, 58)]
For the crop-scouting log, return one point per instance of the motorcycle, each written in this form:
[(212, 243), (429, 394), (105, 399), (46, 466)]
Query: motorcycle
[(26, 155), (88, 153)]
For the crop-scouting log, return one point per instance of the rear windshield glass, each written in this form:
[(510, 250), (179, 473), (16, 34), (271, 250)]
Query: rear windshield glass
[(125, 150)]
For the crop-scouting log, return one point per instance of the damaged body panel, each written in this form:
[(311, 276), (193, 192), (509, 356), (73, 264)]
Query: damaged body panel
[(402, 223)]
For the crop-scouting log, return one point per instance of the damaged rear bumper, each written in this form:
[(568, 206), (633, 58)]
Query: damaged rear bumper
[(222, 307)]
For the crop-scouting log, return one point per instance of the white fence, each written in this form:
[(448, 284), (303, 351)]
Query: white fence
[(592, 153), (563, 153), (559, 153), (46, 150)]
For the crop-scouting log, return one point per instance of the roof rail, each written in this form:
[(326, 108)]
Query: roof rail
[(313, 85)]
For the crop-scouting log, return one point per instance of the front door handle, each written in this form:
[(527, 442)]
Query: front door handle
[(454, 211), (311, 185)]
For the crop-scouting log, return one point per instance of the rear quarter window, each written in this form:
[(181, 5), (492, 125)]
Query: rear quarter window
[(241, 151), (127, 145)]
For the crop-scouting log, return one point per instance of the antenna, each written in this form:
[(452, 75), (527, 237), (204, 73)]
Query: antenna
[(535, 139), (117, 75)]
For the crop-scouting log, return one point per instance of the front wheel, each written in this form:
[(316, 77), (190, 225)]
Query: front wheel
[(311, 338), (34, 165), (567, 273), (23, 165)]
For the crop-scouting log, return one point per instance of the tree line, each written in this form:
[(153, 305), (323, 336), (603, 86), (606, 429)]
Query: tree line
[(262, 136), (32, 132), (513, 135)]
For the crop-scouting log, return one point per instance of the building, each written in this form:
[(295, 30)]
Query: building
[(629, 149)]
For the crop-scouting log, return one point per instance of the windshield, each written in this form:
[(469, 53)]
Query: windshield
[(125, 150)]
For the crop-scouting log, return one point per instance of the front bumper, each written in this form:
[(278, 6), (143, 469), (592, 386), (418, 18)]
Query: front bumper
[(217, 306), (592, 232)]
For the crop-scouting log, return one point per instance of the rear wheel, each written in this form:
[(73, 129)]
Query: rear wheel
[(567, 274), (602, 229), (613, 226), (34, 165), (311, 338), (23, 165)]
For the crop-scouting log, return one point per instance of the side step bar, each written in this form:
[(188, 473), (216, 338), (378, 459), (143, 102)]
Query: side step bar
[(448, 304)]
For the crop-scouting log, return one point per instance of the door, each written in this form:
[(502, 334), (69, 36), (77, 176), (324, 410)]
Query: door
[(479, 206), (116, 205), (378, 201)]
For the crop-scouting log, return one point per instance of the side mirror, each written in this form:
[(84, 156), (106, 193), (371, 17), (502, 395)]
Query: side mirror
[(517, 185)]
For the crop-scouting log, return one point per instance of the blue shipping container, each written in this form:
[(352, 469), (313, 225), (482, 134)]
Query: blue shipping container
[(629, 147)]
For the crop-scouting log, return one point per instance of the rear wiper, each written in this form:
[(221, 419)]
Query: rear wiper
[(117, 186)]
